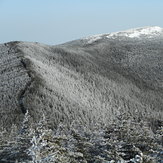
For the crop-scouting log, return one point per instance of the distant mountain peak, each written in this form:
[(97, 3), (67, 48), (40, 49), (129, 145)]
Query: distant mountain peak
[(138, 32), (149, 32)]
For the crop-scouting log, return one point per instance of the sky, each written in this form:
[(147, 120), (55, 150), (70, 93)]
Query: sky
[(58, 21)]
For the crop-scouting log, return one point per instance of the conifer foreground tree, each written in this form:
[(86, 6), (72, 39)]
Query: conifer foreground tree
[(17, 143), (124, 140)]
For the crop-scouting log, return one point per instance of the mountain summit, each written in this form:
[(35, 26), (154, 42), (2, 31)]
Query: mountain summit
[(92, 83), (149, 32), (140, 32)]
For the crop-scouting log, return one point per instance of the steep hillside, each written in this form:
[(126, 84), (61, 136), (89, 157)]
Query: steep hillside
[(96, 80)]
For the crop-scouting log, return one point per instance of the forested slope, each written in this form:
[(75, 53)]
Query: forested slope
[(95, 81)]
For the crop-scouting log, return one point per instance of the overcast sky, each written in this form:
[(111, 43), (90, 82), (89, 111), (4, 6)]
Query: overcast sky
[(59, 21)]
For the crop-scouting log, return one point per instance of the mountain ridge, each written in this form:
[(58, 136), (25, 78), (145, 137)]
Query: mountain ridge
[(83, 82), (117, 64), (149, 31)]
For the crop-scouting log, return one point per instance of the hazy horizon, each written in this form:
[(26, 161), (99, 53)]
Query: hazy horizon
[(55, 22)]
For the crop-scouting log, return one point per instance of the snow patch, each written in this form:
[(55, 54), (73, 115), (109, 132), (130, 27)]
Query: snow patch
[(132, 33), (94, 38), (136, 33)]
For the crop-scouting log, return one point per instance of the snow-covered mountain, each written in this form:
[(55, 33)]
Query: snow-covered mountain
[(91, 82), (139, 33)]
